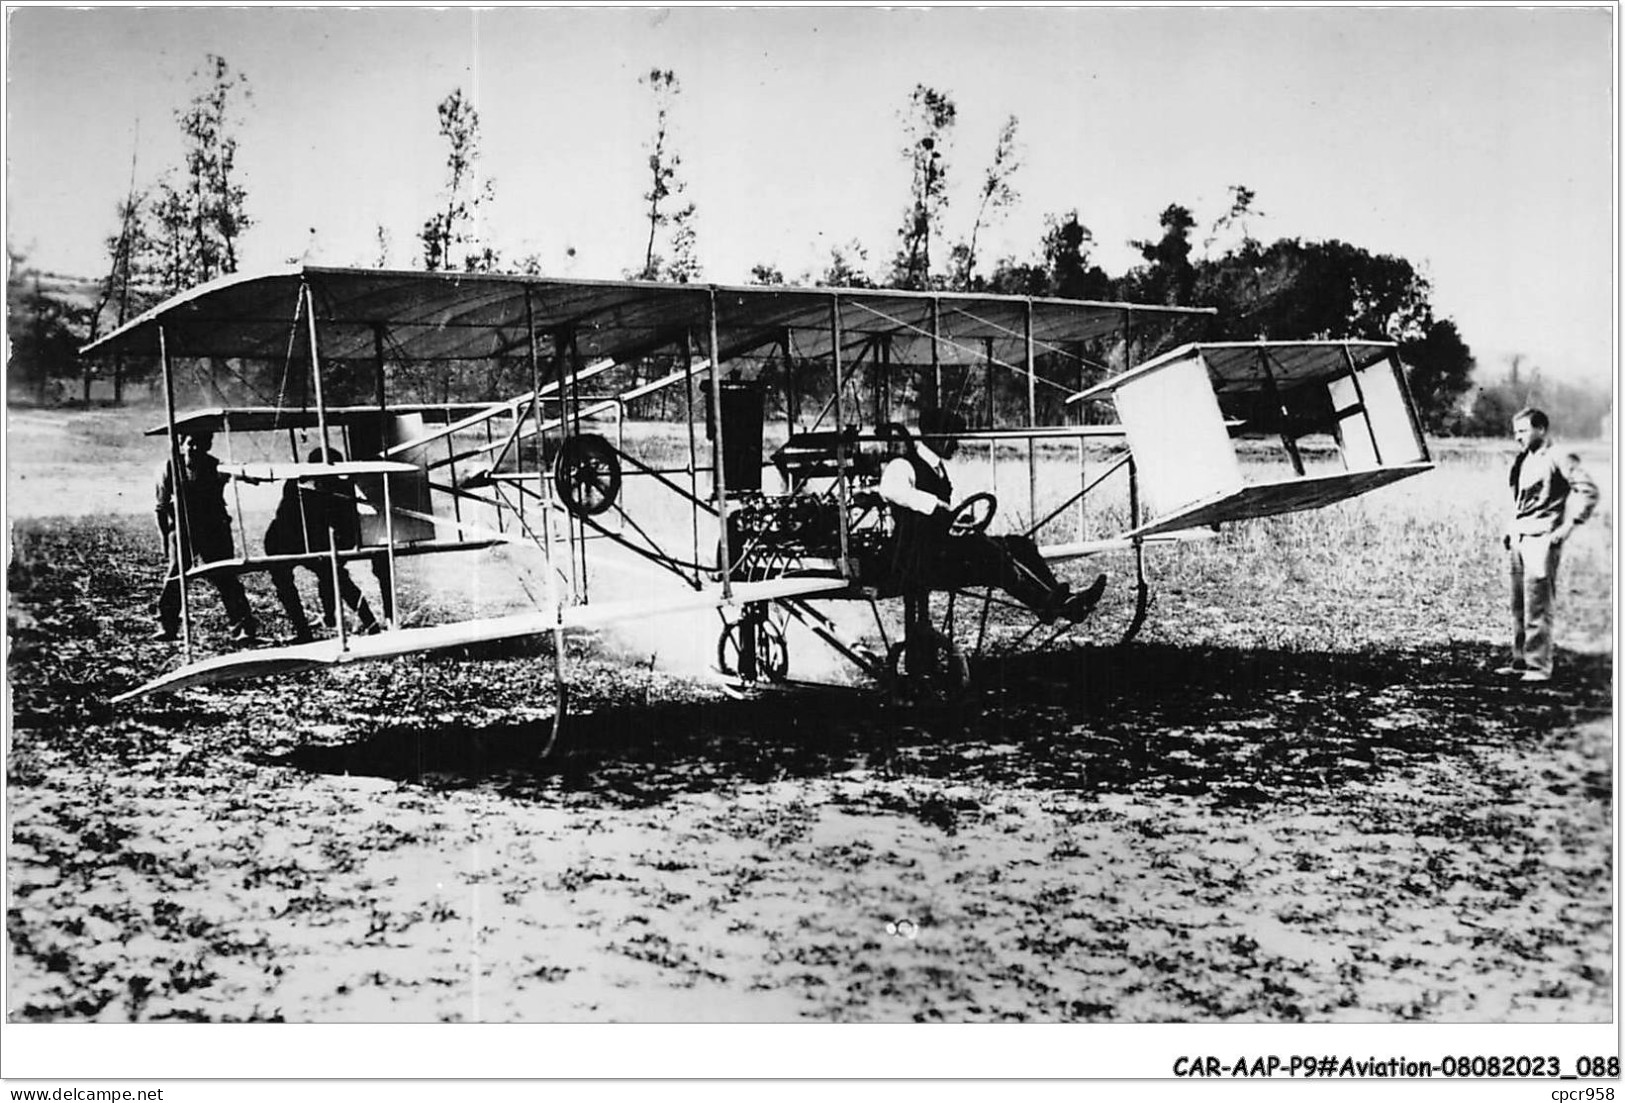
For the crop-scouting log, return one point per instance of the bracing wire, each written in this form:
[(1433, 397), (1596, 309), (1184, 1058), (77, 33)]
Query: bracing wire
[(962, 347)]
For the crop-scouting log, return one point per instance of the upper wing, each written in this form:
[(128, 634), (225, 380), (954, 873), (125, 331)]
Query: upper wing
[(445, 316)]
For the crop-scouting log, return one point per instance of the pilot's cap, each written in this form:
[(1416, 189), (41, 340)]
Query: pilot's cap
[(325, 455)]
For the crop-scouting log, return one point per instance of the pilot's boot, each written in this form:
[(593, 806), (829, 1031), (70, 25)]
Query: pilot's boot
[(1047, 603), (1081, 604), (369, 623)]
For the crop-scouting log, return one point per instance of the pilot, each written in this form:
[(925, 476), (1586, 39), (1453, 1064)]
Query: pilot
[(315, 518), (917, 485), (206, 538)]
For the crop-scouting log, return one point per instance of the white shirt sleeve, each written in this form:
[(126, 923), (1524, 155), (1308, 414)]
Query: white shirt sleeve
[(897, 487)]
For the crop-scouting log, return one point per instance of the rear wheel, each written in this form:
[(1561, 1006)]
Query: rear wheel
[(763, 639), (927, 664)]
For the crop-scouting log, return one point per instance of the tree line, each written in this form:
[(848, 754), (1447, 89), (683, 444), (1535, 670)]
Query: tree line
[(186, 227)]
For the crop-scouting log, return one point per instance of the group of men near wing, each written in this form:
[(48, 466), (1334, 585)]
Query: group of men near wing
[(313, 516), (1550, 490)]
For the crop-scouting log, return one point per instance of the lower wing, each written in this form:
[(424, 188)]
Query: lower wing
[(406, 641)]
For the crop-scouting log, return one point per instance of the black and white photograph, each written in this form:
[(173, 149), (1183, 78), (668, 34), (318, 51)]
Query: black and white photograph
[(661, 517)]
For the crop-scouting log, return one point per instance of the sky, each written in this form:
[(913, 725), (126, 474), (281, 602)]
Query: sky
[(1478, 143)]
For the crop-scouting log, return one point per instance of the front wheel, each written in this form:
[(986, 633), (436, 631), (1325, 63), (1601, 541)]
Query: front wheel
[(587, 474)]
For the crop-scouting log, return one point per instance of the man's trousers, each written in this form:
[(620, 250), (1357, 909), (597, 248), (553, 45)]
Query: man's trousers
[(1533, 561)]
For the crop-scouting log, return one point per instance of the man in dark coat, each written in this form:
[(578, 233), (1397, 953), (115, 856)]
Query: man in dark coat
[(195, 521), (317, 515)]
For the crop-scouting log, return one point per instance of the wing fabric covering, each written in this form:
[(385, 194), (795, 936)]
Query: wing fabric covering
[(438, 316), (407, 641)]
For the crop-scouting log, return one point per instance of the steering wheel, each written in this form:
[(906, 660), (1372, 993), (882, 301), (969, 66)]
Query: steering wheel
[(972, 516)]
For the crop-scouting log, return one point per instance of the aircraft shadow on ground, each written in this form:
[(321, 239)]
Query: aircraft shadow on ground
[(1245, 726)]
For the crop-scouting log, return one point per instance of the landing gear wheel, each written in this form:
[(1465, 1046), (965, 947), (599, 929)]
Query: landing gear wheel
[(771, 648), (587, 474), (946, 676), (972, 516)]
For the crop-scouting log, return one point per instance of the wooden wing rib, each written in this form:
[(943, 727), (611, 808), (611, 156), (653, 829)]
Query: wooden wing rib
[(262, 662), (271, 472), (1060, 553)]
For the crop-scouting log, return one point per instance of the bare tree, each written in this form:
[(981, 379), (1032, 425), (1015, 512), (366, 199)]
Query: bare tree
[(196, 225), (666, 188), (130, 252), (1236, 217), (995, 196), (927, 128), (451, 236)]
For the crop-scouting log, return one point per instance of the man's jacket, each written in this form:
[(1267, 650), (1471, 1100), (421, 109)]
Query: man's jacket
[(1548, 490), (203, 487)]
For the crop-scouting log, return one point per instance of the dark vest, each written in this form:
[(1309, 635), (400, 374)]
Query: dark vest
[(929, 479)]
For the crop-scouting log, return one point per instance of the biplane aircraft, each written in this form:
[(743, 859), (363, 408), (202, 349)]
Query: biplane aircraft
[(753, 490)]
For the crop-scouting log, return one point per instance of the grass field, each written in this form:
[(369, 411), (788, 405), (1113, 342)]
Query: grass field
[(1300, 796)]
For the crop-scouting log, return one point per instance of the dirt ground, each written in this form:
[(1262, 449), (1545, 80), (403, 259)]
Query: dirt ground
[(1223, 822)]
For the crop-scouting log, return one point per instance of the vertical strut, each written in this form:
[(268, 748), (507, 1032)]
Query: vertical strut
[(561, 341), (936, 354), (840, 437), (584, 579), (689, 385), (791, 399), (1410, 407), (1365, 411), (719, 480), (1274, 392), (987, 389), (183, 549), (560, 693), (386, 585), (334, 565), (1032, 412)]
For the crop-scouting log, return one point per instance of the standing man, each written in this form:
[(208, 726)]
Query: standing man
[(317, 517), (197, 522), (1551, 494), (918, 487)]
